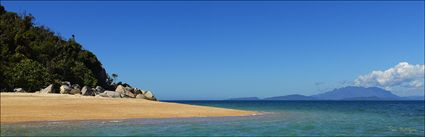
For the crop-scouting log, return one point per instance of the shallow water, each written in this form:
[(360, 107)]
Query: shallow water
[(328, 118)]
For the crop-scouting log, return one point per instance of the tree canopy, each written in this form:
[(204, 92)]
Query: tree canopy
[(31, 57)]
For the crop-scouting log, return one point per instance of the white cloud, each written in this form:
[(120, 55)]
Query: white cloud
[(402, 77)]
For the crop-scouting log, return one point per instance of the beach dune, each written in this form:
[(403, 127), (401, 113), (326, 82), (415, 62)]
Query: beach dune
[(31, 107)]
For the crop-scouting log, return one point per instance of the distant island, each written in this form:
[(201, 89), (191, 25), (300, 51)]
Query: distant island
[(345, 93)]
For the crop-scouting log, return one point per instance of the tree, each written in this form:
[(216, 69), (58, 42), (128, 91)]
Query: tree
[(28, 74), (114, 76)]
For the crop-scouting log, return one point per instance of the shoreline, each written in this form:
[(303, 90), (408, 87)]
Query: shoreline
[(120, 120), (36, 107)]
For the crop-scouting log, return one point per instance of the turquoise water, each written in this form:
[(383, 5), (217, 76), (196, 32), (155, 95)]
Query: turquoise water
[(280, 118)]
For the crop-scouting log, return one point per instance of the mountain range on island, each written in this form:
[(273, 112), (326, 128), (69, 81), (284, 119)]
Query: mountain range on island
[(344, 93)]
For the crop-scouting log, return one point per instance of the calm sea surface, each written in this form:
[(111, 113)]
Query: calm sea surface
[(302, 118)]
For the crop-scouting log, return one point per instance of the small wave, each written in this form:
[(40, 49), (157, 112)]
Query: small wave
[(265, 113), (402, 129), (55, 122)]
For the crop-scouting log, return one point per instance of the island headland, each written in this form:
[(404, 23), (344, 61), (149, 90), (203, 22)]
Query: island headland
[(46, 77)]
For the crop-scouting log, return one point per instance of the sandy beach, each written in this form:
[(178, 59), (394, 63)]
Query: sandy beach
[(29, 107)]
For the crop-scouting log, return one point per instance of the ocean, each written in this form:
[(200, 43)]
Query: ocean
[(279, 118)]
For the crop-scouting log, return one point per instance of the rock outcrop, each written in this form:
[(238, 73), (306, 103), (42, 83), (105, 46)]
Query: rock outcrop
[(120, 91)]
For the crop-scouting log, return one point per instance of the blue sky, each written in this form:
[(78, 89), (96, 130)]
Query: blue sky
[(218, 50)]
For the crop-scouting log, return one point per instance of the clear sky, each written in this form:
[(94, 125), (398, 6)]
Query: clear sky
[(218, 50)]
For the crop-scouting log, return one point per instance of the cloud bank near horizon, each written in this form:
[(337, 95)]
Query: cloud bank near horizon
[(401, 79)]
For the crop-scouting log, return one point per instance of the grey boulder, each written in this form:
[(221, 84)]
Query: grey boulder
[(137, 91), (120, 89), (87, 91), (129, 94), (111, 94), (48, 89), (140, 96), (66, 83), (75, 91), (149, 95), (76, 86), (99, 89), (65, 89), (129, 89), (126, 91), (18, 90)]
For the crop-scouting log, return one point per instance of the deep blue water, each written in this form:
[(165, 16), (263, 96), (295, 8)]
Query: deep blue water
[(280, 118)]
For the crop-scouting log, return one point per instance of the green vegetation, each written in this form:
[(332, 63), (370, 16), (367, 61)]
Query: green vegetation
[(31, 57)]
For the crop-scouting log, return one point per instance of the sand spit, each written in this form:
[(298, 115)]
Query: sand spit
[(31, 107)]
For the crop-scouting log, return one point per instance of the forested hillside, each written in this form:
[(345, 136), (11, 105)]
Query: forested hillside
[(32, 57)]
